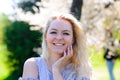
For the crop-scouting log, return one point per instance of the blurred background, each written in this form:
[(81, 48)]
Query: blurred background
[(21, 23)]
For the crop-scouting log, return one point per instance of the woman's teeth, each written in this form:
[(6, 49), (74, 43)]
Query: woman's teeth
[(59, 44)]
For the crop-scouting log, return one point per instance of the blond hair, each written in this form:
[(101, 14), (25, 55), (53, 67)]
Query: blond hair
[(80, 59)]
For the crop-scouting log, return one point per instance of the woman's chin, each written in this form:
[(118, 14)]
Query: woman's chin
[(59, 51)]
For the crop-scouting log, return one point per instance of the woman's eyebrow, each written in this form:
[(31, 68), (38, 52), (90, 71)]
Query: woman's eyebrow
[(66, 30), (53, 29)]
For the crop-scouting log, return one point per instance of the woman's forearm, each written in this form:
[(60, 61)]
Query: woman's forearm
[(57, 75)]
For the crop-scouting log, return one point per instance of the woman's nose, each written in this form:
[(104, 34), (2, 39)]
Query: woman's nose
[(59, 36)]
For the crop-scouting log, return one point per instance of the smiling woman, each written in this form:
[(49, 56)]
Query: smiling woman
[(59, 36), (64, 54)]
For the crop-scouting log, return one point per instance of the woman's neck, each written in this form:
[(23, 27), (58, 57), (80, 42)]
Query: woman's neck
[(53, 57)]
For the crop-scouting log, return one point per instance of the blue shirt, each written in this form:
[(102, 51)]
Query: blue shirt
[(45, 74)]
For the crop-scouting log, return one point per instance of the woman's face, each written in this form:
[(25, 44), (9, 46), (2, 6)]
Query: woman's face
[(59, 36)]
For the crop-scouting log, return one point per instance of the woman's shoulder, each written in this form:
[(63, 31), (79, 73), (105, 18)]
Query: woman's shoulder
[(31, 61), (30, 68)]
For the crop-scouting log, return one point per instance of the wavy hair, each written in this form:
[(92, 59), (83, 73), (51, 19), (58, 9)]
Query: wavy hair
[(80, 58)]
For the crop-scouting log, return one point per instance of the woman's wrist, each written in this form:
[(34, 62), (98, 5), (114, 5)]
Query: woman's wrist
[(57, 74), (55, 70)]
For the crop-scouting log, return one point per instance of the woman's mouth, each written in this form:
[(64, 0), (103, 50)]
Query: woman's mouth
[(58, 44)]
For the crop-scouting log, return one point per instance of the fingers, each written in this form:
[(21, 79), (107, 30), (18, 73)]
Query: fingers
[(65, 53), (69, 52)]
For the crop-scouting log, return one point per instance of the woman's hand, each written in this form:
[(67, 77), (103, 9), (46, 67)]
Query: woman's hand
[(60, 64)]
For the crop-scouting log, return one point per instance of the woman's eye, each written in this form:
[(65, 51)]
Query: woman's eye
[(52, 32), (66, 33)]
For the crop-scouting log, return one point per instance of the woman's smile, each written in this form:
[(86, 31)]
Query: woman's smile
[(58, 44)]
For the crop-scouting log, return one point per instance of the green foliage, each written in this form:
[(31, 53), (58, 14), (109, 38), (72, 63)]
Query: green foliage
[(20, 41), (4, 21), (28, 6), (4, 69)]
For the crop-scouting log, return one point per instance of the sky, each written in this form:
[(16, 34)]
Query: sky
[(6, 7)]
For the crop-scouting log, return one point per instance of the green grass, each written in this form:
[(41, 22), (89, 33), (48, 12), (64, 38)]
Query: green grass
[(100, 70), (101, 73)]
